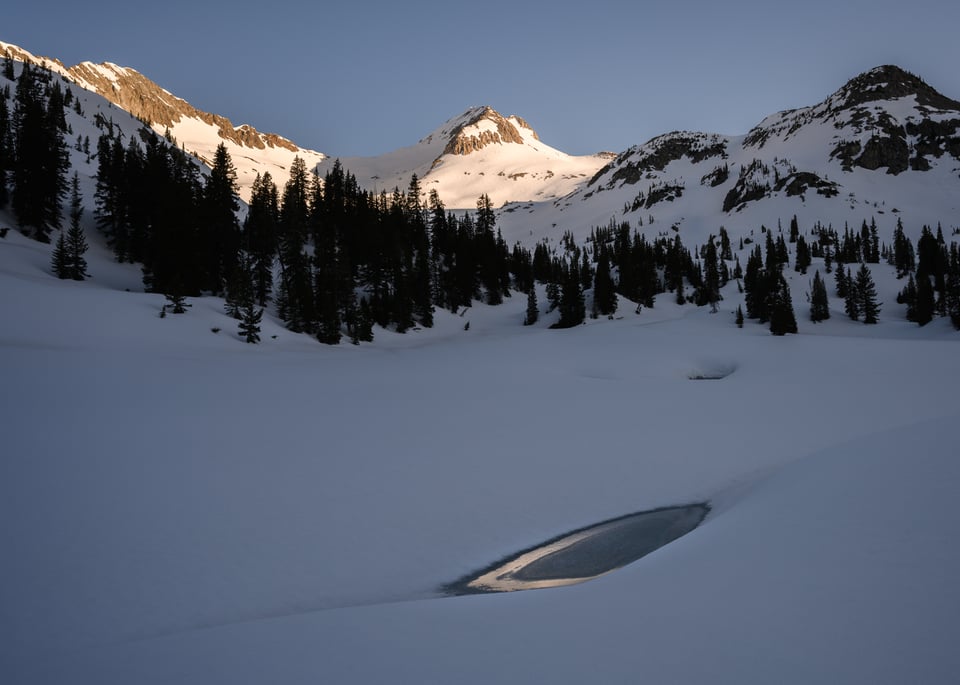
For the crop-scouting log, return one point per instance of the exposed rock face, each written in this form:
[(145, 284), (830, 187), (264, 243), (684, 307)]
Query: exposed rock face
[(143, 98), (889, 82), (463, 140), (633, 164)]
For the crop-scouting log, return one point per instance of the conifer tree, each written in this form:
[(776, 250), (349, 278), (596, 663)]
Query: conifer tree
[(925, 303), (604, 292), (819, 302), (76, 239), (249, 326), (220, 238), (533, 311), (952, 294), (908, 296), (59, 261), (6, 150), (782, 318), (865, 293)]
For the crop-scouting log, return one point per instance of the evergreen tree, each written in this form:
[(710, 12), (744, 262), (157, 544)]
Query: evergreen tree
[(952, 295), (604, 292), (903, 254), (865, 293), (177, 301), (41, 158), (260, 234), (220, 238), (249, 326), (908, 296), (819, 302), (76, 239), (782, 318), (925, 303), (533, 311), (59, 261), (6, 150)]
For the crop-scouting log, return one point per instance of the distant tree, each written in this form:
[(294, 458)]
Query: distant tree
[(177, 302), (249, 326), (220, 237), (782, 318), (819, 303), (59, 262), (76, 239), (925, 303), (604, 291), (533, 311), (865, 293)]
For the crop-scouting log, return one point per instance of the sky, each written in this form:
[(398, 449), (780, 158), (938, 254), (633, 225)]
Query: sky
[(358, 79)]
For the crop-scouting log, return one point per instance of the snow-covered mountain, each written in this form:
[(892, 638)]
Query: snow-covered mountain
[(884, 146), (885, 143), (177, 506), (198, 132), (479, 151)]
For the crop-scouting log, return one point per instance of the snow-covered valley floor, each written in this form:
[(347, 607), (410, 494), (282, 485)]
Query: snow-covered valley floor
[(179, 507)]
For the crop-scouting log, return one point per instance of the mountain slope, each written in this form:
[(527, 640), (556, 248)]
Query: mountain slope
[(479, 151), (885, 143), (198, 132)]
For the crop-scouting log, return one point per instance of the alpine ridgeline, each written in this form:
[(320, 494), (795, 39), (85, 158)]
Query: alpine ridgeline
[(885, 143), (198, 132)]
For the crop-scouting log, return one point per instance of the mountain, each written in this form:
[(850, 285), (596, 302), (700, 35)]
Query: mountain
[(197, 131), (479, 151), (885, 143)]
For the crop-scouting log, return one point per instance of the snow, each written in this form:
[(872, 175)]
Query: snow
[(180, 506)]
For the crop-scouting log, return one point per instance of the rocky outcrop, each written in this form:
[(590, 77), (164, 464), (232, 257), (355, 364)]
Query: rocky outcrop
[(135, 93), (464, 141)]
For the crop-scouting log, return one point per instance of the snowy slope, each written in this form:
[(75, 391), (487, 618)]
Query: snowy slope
[(198, 132), (182, 507), (477, 152), (178, 506), (884, 146)]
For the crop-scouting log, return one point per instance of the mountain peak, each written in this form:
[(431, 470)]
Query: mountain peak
[(890, 82), (479, 127)]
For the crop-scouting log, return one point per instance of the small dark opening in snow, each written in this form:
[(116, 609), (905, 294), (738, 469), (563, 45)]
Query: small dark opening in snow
[(585, 553)]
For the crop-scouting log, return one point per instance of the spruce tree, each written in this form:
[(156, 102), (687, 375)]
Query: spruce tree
[(76, 239), (59, 262), (865, 293), (925, 303), (782, 318), (819, 303), (533, 311), (249, 326)]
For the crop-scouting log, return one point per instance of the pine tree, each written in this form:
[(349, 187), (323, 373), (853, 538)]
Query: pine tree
[(249, 326), (865, 293), (59, 261), (952, 295), (819, 302), (782, 318), (178, 302), (533, 311), (76, 239), (220, 237), (604, 292), (925, 303)]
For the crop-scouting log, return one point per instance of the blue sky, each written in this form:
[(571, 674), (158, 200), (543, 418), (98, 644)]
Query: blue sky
[(366, 78)]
